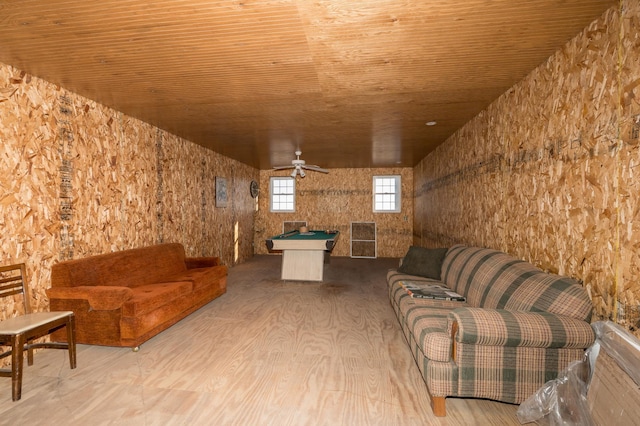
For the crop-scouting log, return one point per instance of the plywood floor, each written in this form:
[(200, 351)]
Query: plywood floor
[(265, 353)]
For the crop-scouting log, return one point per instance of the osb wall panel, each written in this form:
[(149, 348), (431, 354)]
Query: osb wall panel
[(333, 201), (229, 229), (626, 294), (29, 210), (548, 172), (189, 210), (111, 161), (244, 208), (78, 179), (181, 200), (137, 166)]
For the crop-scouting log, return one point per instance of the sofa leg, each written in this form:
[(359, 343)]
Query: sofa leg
[(438, 407), (136, 349)]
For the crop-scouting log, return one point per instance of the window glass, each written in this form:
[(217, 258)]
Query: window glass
[(282, 194), (386, 194)]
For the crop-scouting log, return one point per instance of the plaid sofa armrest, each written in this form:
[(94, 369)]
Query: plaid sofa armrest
[(500, 327)]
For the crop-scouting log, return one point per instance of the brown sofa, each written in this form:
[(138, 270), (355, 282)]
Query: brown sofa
[(125, 298)]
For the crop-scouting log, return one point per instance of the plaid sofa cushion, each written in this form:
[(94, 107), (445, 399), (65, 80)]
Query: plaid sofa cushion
[(493, 279), (545, 292), (423, 321), (393, 276), (428, 325), (486, 277)]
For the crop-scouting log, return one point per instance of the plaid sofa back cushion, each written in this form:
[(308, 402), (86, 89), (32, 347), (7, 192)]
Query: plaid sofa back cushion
[(492, 279), (551, 293)]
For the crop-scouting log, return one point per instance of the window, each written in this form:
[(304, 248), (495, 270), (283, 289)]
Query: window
[(386, 194), (283, 198)]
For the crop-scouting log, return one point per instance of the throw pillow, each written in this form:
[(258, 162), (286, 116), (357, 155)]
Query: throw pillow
[(423, 262)]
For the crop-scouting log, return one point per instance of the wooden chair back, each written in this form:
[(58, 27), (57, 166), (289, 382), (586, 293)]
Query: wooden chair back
[(13, 282)]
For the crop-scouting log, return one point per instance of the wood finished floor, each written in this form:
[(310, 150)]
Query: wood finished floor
[(266, 353)]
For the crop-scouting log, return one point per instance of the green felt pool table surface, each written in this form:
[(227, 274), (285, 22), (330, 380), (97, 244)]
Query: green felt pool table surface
[(311, 235), (312, 240)]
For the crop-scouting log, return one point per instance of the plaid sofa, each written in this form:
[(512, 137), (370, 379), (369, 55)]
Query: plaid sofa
[(518, 328)]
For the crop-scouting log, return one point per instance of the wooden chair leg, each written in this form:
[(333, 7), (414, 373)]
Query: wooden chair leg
[(71, 340), (17, 361), (29, 355), (438, 406)]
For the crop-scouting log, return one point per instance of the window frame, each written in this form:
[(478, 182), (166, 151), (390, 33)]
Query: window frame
[(397, 194), (272, 208)]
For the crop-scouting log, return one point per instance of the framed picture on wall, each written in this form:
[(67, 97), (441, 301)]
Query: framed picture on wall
[(221, 192)]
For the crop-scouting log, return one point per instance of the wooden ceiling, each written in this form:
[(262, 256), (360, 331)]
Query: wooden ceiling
[(349, 82)]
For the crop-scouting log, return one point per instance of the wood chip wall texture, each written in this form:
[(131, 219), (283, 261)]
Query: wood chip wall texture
[(79, 179), (333, 201), (549, 171)]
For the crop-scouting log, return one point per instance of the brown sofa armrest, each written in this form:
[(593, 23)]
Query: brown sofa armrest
[(100, 298), (201, 262)]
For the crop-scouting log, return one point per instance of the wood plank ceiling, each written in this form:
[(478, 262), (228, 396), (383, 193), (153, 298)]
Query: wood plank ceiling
[(349, 82)]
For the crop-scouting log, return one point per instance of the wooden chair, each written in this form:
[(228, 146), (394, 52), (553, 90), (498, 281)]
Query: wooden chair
[(20, 331)]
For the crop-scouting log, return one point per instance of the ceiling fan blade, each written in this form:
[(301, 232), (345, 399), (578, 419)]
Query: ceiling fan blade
[(315, 168), (299, 165)]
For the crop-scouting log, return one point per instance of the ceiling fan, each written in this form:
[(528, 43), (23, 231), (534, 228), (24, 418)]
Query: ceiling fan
[(299, 166)]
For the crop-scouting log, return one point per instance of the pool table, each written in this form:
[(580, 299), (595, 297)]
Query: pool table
[(303, 253)]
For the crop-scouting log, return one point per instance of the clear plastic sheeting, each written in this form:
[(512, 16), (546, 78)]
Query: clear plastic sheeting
[(620, 345), (564, 401), (561, 401)]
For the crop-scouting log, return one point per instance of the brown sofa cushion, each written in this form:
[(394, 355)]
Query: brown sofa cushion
[(146, 298), (201, 262), (204, 277), (125, 268)]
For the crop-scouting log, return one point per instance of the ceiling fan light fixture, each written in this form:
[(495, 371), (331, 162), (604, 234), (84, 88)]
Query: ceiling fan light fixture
[(299, 166)]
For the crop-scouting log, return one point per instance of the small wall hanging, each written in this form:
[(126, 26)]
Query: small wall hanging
[(221, 192)]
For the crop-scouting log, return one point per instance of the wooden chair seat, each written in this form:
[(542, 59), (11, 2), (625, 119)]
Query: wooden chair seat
[(27, 323)]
